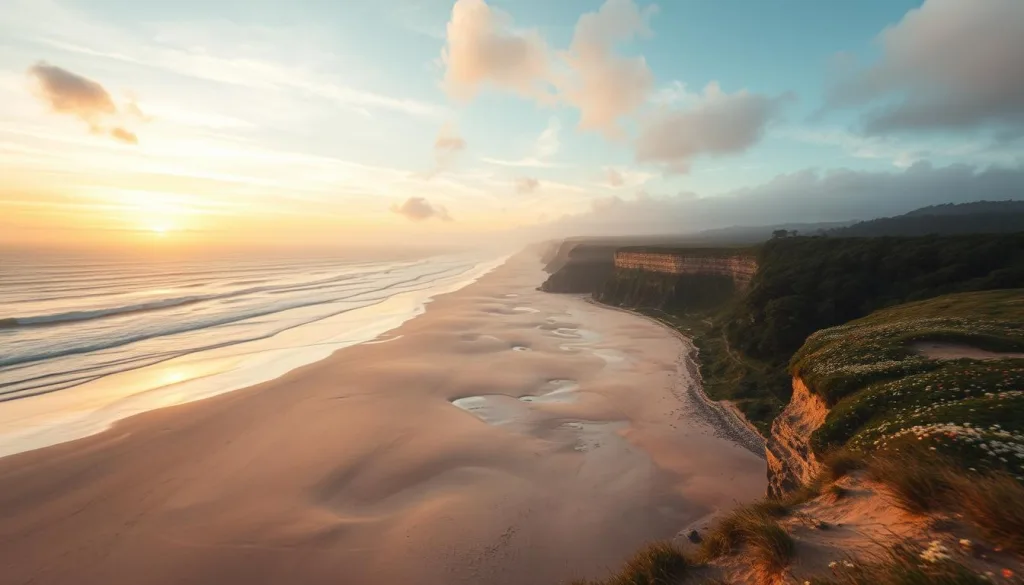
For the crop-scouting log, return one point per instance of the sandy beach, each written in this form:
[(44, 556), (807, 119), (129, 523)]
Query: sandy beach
[(506, 436)]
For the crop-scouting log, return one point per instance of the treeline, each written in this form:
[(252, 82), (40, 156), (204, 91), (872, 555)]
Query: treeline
[(981, 217), (809, 283)]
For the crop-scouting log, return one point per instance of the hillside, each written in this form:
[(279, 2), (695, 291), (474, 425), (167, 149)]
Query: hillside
[(982, 217), (903, 451)]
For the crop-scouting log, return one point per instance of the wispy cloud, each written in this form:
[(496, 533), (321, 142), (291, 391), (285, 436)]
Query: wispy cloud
[(69, 93)]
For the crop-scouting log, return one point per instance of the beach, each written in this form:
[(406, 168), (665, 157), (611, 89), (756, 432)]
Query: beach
[(505, 436)]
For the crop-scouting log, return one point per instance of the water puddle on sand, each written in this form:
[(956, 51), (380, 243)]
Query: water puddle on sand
[(518, 415), (501, 410), (558, 392)]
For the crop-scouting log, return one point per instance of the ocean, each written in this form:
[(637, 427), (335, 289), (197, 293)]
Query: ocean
[(86, 341)]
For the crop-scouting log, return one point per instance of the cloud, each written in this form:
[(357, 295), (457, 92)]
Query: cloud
[(717, 124), (448, 140), (483, 49), (950, 64), (124, 135), (526, 185), (547, 145), (447, 147), (87, 100), (419, 209), (615, 178), (602, 85), (809, 195)]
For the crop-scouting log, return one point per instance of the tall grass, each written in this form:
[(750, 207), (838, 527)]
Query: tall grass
[(658, 563), (995, 505), (770, 547), (919, 484)]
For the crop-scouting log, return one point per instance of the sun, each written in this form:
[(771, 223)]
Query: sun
[(160, 229)]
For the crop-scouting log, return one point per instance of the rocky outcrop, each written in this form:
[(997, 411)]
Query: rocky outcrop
[(791, 462), (740, 267)]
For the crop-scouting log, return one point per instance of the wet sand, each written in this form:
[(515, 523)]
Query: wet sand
[(506, 436)]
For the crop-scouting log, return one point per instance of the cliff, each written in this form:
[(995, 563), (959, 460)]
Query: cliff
[(740, 267), (681, 279), (791, 461), (579, 267)]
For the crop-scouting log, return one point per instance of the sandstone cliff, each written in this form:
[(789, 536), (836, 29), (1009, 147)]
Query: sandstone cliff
[(791, 462), (740, 267)]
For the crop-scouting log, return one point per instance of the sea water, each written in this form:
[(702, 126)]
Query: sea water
[(86, 341)]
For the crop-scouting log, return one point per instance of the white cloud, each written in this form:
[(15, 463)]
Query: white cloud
[(717, 124), (602, 85), (802, 197), (419, 209), (547, 144), (950, 64), (483, 49)]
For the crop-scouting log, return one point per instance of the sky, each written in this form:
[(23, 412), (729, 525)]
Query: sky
[(315, 122)]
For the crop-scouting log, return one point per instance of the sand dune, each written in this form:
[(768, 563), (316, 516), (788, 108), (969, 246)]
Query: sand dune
[(507, 436)]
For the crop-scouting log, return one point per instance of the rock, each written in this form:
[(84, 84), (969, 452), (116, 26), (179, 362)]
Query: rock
[(694, 537)]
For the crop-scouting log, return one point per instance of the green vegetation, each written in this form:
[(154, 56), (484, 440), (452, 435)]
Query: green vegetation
[(658, 563), (981, 217), (806, 284), (885, 395), (728, 374)]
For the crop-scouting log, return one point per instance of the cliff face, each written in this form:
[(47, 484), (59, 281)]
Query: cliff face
[(739, 267), (791, 463)]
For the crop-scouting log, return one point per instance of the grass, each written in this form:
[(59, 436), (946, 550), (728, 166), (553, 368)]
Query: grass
[(755, 527), (658, 563), (902, 565), (995, 505), (884, 396), (919, 484)]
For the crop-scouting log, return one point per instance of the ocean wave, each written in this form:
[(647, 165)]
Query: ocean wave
[(449, 271), (100, 313)]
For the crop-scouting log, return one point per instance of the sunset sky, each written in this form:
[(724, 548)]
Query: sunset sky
[(330, 122)]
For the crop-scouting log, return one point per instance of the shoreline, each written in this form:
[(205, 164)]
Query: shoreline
[(584, 439), (730, 420), (96, 406)]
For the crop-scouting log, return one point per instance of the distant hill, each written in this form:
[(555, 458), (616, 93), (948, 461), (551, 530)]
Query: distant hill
[(980, 217)]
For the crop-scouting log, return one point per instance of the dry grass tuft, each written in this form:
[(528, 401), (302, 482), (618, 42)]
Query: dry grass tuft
[(658, 563), (995, 505), (770, 546), (919, 484), (839, 464)]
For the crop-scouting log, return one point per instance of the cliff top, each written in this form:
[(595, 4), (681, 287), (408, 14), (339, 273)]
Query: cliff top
[(946, 374), (717, 252)]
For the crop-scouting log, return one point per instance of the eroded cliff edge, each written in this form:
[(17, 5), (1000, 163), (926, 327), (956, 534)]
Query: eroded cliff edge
[(791, 462)]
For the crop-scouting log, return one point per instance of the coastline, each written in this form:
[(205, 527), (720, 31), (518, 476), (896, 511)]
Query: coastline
[(360, 467), (92, 407), (724, 415)]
